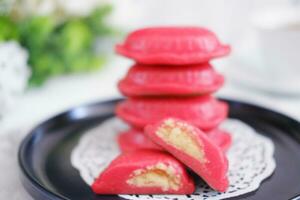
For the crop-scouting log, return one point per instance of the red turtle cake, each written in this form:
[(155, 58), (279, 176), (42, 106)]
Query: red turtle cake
[(134, 139), (160, 80), (144, 172), (205, 112), (192, 147), (172, 46)]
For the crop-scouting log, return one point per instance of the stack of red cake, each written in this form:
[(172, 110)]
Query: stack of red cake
[(173, 116), (172, 77)]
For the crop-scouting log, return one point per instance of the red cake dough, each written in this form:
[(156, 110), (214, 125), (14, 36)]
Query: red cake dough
[(134, 139), (220, 138), (205, 112), (144, 172), (192, 147), (172, 45), (150, 80)]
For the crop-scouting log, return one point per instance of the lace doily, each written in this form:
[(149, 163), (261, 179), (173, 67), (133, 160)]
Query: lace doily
[(250, 159)]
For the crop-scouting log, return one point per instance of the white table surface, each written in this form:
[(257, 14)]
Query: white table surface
[(63, 93)]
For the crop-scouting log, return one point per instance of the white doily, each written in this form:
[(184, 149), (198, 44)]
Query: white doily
[(250, 159), (14, 74)]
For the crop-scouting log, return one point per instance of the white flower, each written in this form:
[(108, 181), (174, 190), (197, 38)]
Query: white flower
[(14, 73)]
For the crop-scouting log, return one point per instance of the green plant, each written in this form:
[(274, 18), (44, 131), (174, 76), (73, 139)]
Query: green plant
[(58, 45), (8, 29)]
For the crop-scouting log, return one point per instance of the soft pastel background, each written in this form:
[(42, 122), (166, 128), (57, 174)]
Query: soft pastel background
[(252, 74)]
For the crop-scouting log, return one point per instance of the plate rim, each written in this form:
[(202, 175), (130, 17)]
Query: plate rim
[(28, 138)]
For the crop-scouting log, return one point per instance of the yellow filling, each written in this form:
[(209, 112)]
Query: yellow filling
[(159, 175), (180, 136)]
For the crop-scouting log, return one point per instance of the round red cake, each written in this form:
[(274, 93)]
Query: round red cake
[(160, 80), (172, 45), (144, 172), (205, 112)]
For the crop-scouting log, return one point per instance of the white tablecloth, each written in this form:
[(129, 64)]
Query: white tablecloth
[(65, 92)]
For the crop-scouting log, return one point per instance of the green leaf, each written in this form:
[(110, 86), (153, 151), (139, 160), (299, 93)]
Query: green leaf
[(85, 61), (96, 20), (35, 31), (8, 29), (45, 65), (74, 37)]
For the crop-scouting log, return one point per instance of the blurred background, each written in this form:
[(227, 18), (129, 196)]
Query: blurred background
[(57, 54)]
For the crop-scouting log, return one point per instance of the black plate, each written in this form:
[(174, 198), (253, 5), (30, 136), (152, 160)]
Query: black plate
[(44, 155)]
